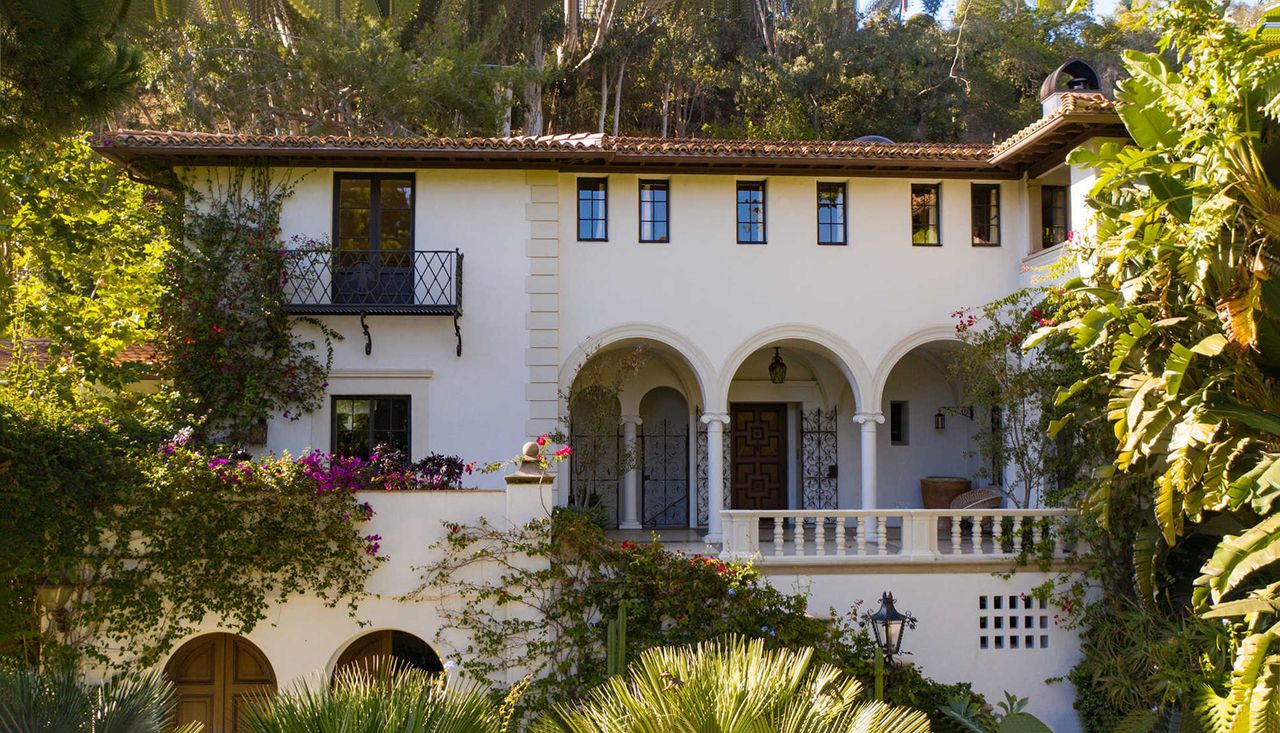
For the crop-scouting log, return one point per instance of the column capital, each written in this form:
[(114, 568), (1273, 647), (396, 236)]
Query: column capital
[(862, 418), (630, 420), (715, 417)]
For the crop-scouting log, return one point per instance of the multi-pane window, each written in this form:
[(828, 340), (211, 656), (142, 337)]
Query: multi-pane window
[(831, 221), (593, 209), (373, 228), (361, 424), (655, 214), (986, 215), (1054, 215), (750, 212), (926, 201), (898, 429)]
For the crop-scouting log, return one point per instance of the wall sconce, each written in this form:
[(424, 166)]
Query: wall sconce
[(940, 419), (777, 367)]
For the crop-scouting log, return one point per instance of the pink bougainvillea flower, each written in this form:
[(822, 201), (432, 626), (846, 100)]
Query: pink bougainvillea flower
[(542, 439)]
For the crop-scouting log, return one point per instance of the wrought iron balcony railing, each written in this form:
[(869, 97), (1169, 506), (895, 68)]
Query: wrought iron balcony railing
[(374, 282)]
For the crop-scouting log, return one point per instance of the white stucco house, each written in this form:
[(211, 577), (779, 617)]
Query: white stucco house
[(704, 265)]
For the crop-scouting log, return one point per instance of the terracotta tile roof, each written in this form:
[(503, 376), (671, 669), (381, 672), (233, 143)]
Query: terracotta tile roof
[(599, 151), (40, 349), (1072, 105), (576, 143)]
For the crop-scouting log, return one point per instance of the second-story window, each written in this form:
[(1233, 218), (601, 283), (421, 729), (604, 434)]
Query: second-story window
[(373, 229), (593, 209), (1054, 215), (926, 208), (750, 212), (655, 214), (831, 221), (986, 215)]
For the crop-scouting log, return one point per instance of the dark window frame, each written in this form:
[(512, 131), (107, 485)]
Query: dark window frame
[(903, 423), (760, 186), (665, 185), (844, 212), (375, 206), (974, 189), (603, 181), (371, 398), (1065, 192), (937, 205)]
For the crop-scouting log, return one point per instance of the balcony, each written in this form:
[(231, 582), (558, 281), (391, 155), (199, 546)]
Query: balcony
[(323, 281)]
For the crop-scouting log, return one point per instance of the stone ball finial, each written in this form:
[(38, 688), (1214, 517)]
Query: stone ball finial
[(530, 450)]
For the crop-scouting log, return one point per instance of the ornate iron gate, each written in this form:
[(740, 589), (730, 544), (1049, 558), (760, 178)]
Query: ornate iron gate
[(818, 481), (594, 476), (665, 474)]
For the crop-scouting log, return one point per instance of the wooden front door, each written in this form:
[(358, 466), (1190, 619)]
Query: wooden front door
[(215, 676), (759, 456)]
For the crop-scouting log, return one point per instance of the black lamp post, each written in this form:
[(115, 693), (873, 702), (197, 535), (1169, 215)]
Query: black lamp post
[(777, 367), (888, 624)]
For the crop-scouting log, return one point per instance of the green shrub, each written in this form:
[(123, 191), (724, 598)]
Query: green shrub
[(57, 700), (671, 599)]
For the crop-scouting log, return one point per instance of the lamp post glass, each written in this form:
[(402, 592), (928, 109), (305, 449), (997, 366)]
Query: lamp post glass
[(888, 624)]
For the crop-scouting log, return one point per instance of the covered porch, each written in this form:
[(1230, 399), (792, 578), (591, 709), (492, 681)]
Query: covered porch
[(793, 434)]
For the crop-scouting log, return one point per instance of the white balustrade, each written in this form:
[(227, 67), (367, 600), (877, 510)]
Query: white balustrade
[(925, 535)]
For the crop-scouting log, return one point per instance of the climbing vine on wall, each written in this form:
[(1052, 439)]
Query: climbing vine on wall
[(231, 352)]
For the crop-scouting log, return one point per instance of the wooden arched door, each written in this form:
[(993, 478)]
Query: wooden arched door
[(215, 676), (403, 647)]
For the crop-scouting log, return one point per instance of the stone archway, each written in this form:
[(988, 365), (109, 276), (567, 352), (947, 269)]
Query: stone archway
[(214, 676)]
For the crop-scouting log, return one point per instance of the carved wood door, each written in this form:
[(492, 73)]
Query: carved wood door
[(215, 676), (759, 456)]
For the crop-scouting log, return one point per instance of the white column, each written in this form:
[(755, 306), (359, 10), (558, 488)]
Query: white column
[(631, 479), (715, 422), (868, 422)]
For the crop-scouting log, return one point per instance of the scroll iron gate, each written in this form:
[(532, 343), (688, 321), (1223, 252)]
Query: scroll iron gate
[(665, 475)]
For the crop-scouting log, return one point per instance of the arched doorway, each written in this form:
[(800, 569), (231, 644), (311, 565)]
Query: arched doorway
[(401, 646), (664, 458), (213, 676)]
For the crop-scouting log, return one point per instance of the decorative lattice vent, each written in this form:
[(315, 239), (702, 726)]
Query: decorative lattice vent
[(1012, 622)]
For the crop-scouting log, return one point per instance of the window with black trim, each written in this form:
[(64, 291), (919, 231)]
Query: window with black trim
[(593, 209), (751, 212), (831, 221), (373, 226), (986, 214), (655, 211), (899, 430), (1055, 217), (361, 423), (926, 209)]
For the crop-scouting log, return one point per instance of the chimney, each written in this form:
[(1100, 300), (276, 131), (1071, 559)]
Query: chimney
[(1075, 76)]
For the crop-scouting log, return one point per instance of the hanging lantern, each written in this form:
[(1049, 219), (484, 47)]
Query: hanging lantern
[(939, 421), (888, 624), (777, 367)]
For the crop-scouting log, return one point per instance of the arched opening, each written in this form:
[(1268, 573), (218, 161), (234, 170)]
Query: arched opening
[(790, 442), (631, 410), (928, 434), (377, 647), (214, 676), (664, 459)]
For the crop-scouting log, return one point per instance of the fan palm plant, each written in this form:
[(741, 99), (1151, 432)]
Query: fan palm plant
[(378, 698), (731, 686), (58, 701)]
